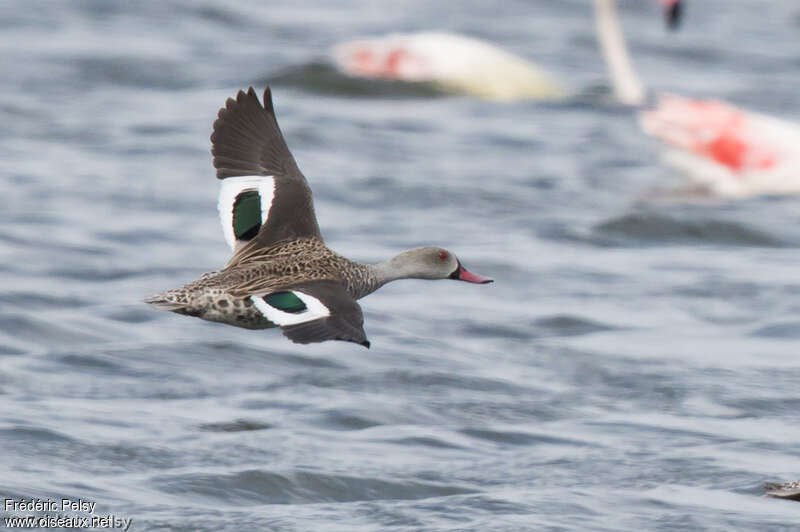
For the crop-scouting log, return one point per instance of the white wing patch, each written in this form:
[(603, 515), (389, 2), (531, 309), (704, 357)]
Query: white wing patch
[(231, 188), (314, 310)]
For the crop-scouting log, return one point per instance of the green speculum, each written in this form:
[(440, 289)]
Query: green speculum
[(285, 301), (247, 215)]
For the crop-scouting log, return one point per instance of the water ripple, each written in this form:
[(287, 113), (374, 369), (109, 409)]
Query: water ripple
[(296, 487), (633, 229)]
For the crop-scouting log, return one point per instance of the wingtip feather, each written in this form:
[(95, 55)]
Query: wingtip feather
[(249, 130), (268, 100)]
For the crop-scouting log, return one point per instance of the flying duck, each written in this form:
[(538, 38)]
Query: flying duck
[(281, 273)]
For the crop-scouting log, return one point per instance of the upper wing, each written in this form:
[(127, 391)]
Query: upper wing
[(264, 197), (314, 311)]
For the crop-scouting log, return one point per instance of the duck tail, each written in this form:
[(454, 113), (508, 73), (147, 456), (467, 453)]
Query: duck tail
[(165, 301)]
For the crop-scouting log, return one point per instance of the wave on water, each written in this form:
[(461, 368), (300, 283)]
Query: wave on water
[(642, 228), (560, 325), (297, 487), (322, 77)]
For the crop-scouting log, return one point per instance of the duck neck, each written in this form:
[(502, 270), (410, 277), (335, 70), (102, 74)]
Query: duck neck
[(398, 267), (627, 87)]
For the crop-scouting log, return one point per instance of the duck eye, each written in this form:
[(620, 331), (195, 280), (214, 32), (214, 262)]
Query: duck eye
[(442, 255)]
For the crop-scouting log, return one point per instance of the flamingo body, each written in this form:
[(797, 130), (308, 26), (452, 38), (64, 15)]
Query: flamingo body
[(453, 62), (727, 150)]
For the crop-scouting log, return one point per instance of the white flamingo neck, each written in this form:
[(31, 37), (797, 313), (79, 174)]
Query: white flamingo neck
[(627, 86)]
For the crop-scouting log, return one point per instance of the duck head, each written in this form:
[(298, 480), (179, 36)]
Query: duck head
[(433, 263)]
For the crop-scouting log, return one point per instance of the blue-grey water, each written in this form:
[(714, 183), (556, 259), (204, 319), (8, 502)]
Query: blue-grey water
[(634, 366)]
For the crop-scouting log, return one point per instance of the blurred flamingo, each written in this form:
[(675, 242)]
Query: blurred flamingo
[(453, 62), (724, 150)]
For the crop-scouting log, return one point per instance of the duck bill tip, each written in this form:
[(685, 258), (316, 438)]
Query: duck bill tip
[(462, 274)]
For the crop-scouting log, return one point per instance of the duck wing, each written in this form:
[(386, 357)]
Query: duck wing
[(314, 311), (264, 198)]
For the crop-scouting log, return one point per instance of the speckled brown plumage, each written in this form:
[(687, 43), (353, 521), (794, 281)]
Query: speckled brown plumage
[(224, 295)]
